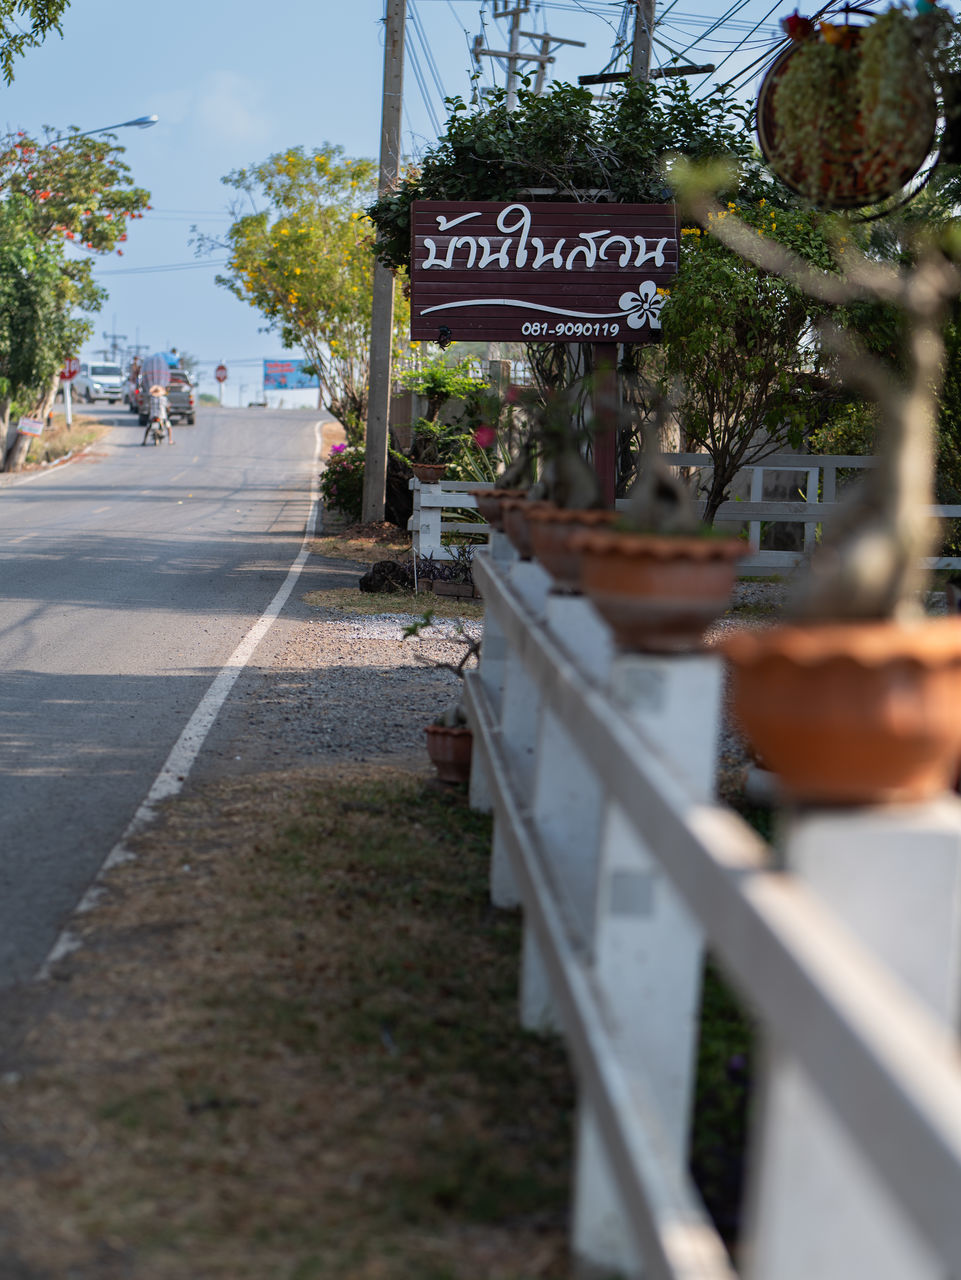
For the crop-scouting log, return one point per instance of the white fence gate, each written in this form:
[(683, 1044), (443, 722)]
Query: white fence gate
[(844, 940)]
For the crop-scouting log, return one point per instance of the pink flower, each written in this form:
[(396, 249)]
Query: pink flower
[(337, 448), (485, 436)]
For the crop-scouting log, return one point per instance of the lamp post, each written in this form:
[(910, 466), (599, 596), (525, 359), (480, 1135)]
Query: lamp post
[(141, 122)]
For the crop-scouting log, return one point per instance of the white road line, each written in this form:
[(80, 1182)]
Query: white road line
[(172, 776)]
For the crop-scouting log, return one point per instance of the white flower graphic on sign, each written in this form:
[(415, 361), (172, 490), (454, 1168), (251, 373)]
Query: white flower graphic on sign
[(643, 307)]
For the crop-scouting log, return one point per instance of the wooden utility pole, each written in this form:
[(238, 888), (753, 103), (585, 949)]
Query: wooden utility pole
[(382, 312)]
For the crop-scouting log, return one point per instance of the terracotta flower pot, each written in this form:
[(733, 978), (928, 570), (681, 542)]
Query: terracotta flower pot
[(428, 472), (515, 524), (657, 593), (551, 532), (852, 713), (489, 504), (450, 751)]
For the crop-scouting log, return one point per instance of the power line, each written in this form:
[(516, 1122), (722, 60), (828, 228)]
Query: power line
[(166, 266)]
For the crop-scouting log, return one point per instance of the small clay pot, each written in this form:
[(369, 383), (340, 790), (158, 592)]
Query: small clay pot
[(515, 513), (852, 713), (551, 529), (450, 751), (658, 593), (428, 472), (489, 504)]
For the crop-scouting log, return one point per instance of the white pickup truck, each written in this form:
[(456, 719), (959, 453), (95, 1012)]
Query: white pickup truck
[(99, 382)]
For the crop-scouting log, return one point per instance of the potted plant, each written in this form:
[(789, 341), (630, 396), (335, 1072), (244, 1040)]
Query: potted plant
[(847, 114), (657, 575), (857, 697), (433, 442), (428, 449), (449, 737)]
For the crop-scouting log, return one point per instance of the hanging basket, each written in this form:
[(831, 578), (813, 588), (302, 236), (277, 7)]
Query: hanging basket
[(828, 157)]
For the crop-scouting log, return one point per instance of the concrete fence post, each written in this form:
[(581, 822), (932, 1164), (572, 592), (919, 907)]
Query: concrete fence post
[(648, 950), (893, 876)]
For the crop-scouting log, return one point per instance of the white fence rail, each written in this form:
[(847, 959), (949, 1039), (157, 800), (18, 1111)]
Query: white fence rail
[(599, 770), (817, 481)]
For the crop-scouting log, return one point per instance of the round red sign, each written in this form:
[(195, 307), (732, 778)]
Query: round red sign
[(70, 369), (220, 373)]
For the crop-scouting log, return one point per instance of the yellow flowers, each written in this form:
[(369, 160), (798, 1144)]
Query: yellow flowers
[(690, 231)]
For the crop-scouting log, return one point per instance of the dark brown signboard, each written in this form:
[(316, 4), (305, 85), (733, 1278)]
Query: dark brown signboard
[(540, 272)]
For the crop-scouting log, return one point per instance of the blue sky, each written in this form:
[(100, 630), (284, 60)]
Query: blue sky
[(233, 83)]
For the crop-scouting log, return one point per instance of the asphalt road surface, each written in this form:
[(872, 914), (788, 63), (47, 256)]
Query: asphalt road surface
[(126, 581)]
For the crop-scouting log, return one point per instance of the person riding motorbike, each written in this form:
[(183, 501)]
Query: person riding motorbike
[(157, 413)]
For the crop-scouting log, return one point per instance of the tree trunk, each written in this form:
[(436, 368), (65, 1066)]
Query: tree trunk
[(17, 453), (43, 405)]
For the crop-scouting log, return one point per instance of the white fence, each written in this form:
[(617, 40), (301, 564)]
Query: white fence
[(599, 770), (817, 481)]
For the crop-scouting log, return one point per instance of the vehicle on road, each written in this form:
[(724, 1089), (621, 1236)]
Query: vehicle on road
[(158, 418), (181, 398), (99, 382)]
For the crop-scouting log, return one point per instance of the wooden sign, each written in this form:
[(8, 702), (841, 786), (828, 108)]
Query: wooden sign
[(540, 272)]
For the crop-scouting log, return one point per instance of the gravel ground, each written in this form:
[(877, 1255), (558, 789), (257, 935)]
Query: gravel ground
[(349, 687), (338, 686)]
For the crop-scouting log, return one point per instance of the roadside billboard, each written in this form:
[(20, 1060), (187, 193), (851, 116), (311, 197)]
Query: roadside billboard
[(288, 375)]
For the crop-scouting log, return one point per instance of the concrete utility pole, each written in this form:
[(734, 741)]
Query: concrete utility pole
[(643, 40), (115, 339), (382, 311), (606, 385), (514, 55)]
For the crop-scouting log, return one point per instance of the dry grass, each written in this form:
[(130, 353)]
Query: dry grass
[(352, 600), (59, 440), (365, 543), (288, 1048)]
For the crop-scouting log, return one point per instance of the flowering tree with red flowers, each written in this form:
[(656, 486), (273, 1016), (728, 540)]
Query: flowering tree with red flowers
[(67, 200)]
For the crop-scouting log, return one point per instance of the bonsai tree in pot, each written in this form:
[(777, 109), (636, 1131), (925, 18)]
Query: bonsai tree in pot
[(857, 698), (449, 737), (658, 575)]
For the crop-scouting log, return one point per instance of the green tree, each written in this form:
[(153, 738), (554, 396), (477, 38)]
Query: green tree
[(301, 259), (24, 24), (567, 146), (36, 318), (74, 191), (740, 347)]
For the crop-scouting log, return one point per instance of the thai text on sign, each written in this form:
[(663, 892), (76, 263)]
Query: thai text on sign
[(30, 426), (540, 271)]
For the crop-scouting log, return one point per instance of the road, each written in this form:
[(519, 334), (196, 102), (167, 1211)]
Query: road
[(126, 580)]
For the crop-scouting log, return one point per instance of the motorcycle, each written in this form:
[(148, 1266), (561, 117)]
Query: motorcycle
[(158, 431)]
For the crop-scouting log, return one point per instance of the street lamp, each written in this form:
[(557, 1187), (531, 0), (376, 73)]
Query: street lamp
[(141, 122)]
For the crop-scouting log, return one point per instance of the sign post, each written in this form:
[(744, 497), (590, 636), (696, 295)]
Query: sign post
[(220, 373), (71, 367)]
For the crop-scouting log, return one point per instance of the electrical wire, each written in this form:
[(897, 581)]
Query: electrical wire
[(166, 266)]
